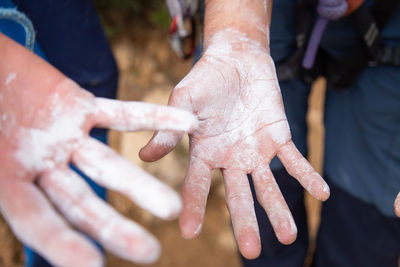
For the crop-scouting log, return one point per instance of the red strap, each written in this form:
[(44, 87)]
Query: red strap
[(174, 26)]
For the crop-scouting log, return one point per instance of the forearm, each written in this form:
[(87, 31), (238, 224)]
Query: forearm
[(250, 17)]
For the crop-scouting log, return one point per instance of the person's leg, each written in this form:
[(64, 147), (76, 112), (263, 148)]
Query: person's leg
[(362, 161), (354, 233), (295, 95)]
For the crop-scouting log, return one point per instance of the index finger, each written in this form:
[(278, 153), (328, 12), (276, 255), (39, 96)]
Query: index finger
[(134, 116)]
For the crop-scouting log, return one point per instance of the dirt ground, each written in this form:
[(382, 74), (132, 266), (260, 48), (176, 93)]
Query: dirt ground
[(148, 72)]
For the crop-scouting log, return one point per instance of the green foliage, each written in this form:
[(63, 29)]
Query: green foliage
[(160, 17)]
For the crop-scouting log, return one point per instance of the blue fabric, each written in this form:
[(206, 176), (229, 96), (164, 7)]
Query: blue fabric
[(73, 41), (20, 18), (14, 30), (354, 233), (362, 124), (282, 32), (363, 137)]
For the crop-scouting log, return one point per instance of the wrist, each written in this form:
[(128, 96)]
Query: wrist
[(249, 18), (232, 43)]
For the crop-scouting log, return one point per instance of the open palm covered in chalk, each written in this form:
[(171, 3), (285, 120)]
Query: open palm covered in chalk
[(45, 120), (234, 92)]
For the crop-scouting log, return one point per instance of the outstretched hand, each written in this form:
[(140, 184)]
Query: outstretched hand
[(233, 90), (45, 121)]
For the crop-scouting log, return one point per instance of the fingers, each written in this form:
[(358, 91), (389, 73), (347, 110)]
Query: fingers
[(74, 198), (298, 167), (133, 116), (110, 170), (164, 142), (160, 145), (35, 223), (271, 199), (397, 205), (241, 208), (194, 193)]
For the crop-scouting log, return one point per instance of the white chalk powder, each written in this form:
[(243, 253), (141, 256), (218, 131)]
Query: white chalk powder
[(10, 78)]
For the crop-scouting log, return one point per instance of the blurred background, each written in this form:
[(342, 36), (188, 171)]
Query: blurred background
[(138, 33)]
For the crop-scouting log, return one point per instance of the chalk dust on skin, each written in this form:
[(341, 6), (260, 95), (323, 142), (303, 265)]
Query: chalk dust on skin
[(10, 77), (216, 245), (146, 73)]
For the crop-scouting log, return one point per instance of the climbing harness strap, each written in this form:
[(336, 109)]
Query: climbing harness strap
[(310, 61), (327, 10)]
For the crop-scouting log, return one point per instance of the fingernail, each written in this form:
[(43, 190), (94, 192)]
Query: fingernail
[(320, 190), (198, 229)]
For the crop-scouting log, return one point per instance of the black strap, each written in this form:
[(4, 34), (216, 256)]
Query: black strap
[(369, 31), (341, 73)]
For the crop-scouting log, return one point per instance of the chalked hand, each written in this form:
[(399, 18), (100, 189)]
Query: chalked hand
[(234, 92), (45, 121)]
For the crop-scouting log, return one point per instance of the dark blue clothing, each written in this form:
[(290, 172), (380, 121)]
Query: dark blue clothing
[(362, 124), (72, 38), (355, 233), (14, 30), (362, 157), (69, 35)]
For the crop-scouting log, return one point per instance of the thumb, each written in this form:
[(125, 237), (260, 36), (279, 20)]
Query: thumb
[(164, 142), (160, 145)]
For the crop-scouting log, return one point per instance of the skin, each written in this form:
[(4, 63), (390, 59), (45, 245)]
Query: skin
[(45, 121), (234, 92), (397, 205)]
